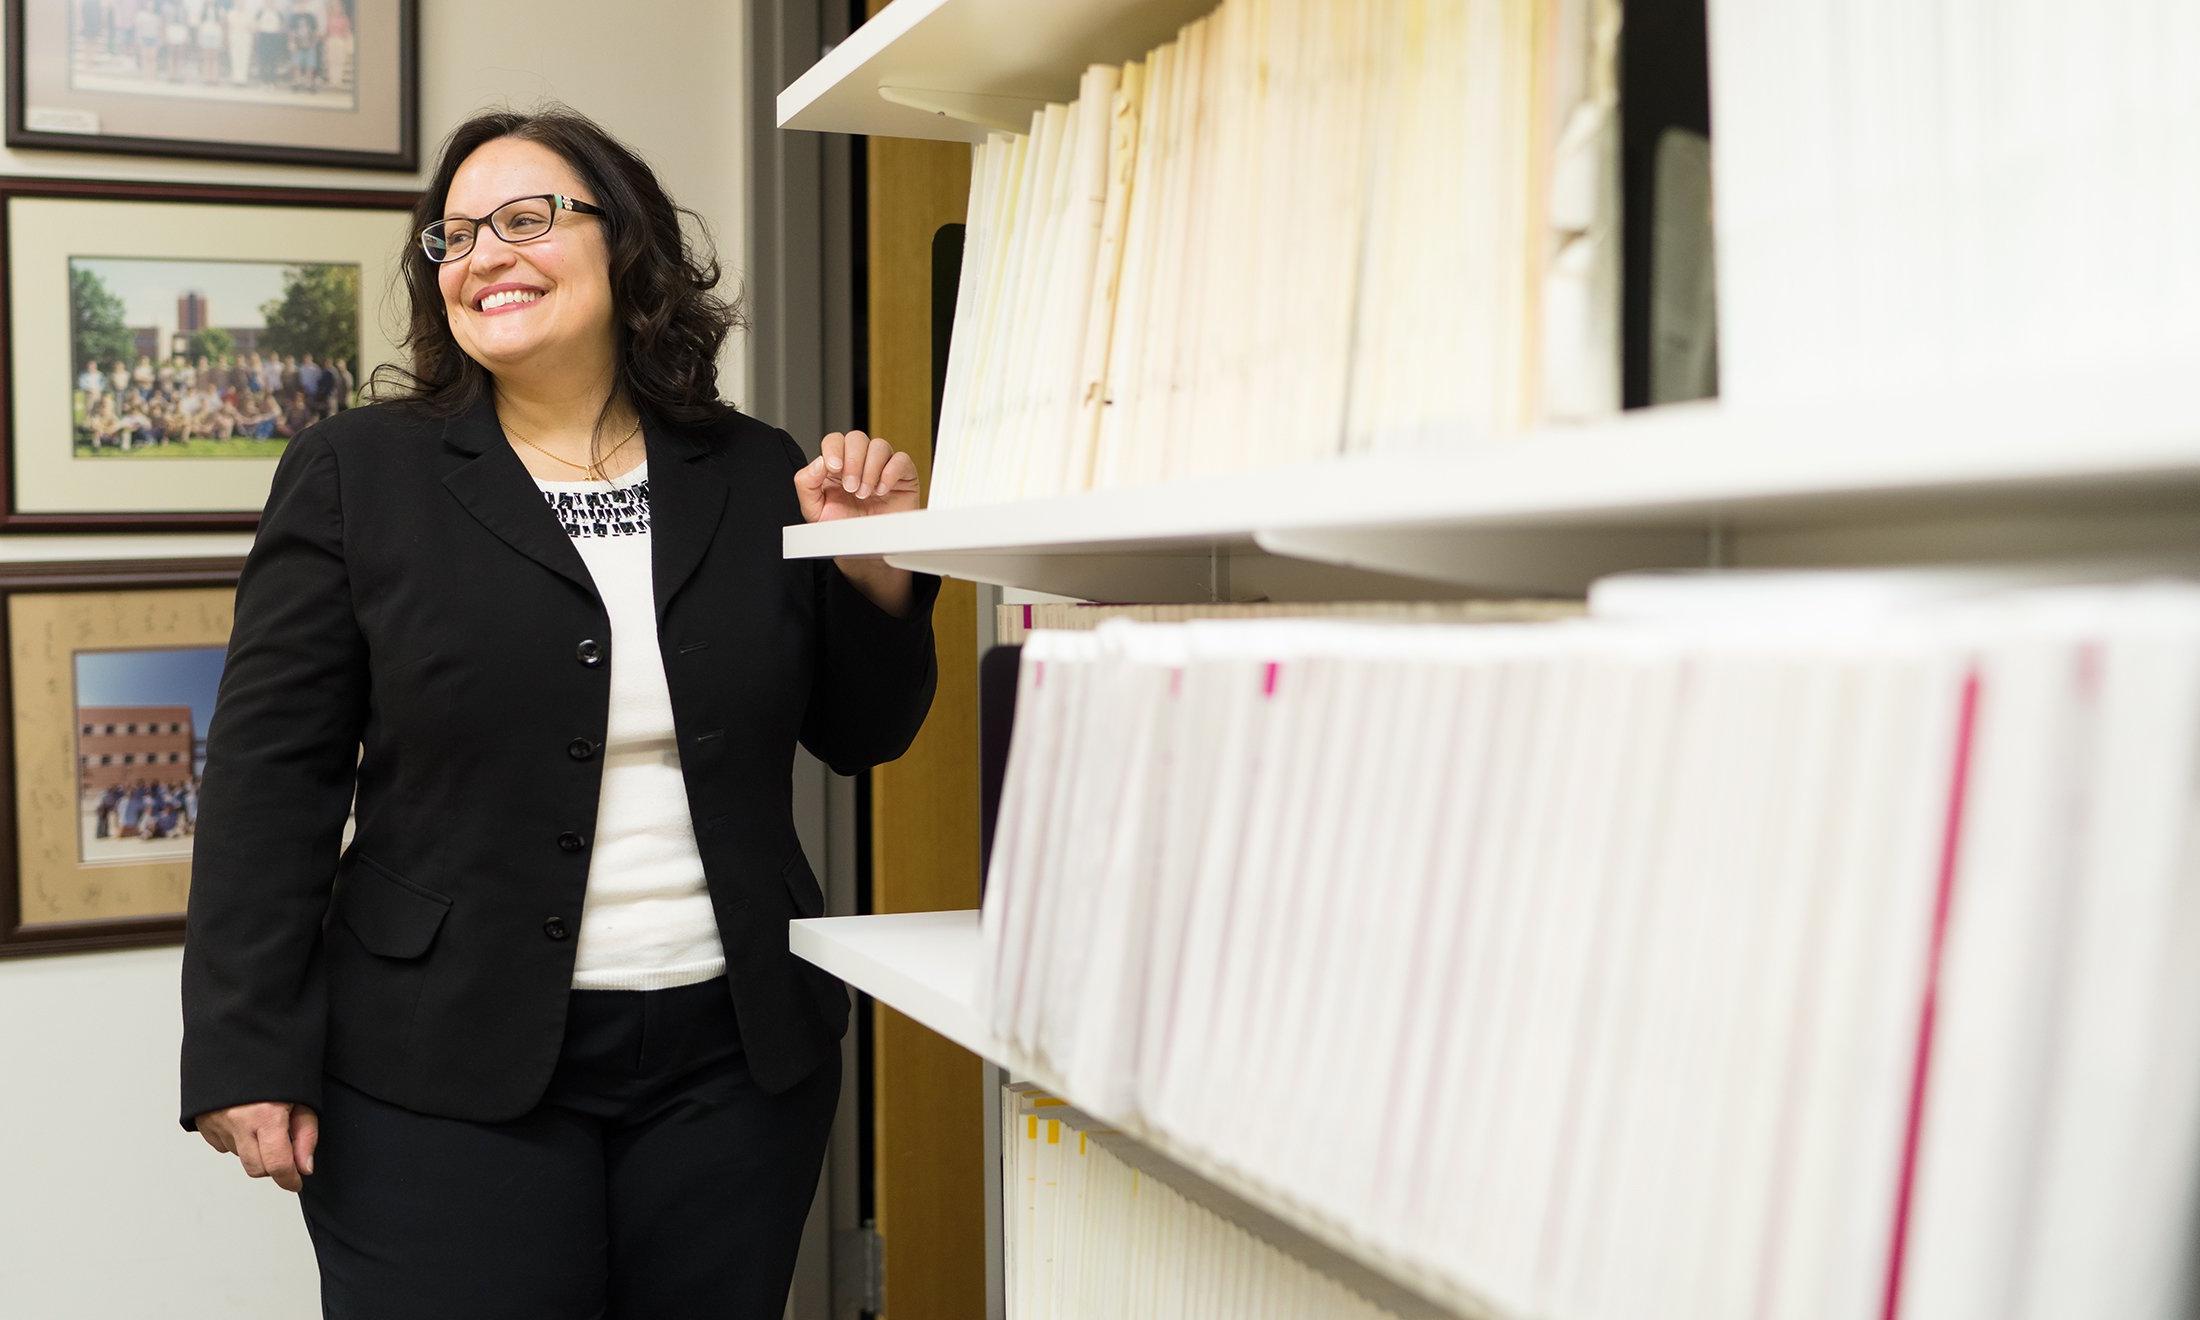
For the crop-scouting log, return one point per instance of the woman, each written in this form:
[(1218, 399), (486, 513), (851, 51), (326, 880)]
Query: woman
[(261, 416), (241, 26), (342, 385), (104, 423), (215, 420), (273, 46), (337, 47), (544, 1053), (188, 422), (131, 427), (228, 423), (305, 51), (177, 49), (297, 414), (211, 41), (148, 27)]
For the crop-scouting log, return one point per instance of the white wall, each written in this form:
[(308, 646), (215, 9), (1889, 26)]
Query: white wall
[(107, 1208)]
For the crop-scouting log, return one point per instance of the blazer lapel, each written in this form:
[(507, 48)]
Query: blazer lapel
[(687, 500), (497, 489)]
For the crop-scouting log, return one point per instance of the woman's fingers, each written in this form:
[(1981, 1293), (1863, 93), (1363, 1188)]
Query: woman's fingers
[(809, 487), (272, 1141), (248, 1153), (845, 453), (857, 465), (305, 1136), (854, 448), (874, 468), (900, 473)]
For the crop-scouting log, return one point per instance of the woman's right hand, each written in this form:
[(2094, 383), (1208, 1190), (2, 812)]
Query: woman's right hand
[(271, 1139)]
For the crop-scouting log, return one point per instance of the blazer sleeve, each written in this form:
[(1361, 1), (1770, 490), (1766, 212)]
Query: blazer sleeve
[(281, 760), (875, 674)]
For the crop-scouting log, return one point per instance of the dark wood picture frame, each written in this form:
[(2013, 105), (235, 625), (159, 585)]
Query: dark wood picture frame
[(16, 940), (12, 188), (404, 159)]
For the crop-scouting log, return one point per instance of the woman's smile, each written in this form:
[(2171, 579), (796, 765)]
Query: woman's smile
[(507, 298)]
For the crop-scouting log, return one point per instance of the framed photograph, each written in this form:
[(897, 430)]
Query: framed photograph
[(300, 82), (109, 673), (160, 344)]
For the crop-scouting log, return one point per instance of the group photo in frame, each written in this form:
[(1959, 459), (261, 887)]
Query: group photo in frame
[(296, 82), (109, 672), (161, 343)]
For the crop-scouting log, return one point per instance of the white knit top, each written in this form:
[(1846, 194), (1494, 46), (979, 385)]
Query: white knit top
[(646, 923)]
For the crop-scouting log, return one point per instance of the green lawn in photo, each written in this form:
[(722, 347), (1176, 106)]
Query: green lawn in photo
[(245, 448)]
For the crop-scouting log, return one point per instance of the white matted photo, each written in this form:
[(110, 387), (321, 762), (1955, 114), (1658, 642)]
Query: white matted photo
[(163, 344), (304, 82)]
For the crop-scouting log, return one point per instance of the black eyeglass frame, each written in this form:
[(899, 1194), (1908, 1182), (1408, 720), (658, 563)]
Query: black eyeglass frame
[(558, 202)]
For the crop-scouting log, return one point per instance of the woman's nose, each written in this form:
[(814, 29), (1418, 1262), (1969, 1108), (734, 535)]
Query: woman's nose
[(490, 252)]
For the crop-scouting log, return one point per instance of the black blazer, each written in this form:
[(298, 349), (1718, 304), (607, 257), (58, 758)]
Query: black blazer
[(413, 622)]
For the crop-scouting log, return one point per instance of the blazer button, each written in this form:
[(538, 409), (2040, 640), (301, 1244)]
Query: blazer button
[(589, 652), (580, 749), (571, 842), (554, 928)]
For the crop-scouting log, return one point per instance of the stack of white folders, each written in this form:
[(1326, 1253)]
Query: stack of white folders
[(1091, 1236), (1835, 962), (1302, 227), (1927, 197)]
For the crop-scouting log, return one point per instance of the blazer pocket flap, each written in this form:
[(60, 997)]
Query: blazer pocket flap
[(809, 900), (391, 915)]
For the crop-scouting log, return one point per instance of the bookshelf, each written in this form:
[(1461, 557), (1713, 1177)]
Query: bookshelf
[(924, 964), (2078, 461), (2045, 462)]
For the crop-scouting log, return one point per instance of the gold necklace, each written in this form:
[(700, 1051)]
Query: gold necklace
[(589, 468)]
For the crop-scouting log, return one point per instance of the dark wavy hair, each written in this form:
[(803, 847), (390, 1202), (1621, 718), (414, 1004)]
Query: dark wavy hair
[(669, 323)]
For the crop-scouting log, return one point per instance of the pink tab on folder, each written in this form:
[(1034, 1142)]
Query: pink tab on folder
[(1950, 852)]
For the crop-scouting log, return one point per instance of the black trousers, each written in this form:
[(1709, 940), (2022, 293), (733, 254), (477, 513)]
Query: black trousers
[(653, 1182)]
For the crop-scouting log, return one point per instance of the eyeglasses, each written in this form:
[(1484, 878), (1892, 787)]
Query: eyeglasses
[(521, 220)]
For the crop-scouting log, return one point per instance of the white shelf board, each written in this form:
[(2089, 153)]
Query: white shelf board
[(989, 63), (1556, 508), (925, 966)]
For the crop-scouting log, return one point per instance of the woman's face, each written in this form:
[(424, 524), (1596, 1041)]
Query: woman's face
[(562, 320)]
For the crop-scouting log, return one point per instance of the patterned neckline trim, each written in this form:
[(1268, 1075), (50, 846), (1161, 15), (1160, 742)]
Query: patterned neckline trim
[(602, 511)]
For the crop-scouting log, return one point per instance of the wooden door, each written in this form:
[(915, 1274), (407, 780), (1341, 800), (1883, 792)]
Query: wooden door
[(928, 1113)]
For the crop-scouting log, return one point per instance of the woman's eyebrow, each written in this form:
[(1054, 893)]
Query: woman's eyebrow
[(547, 192)]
